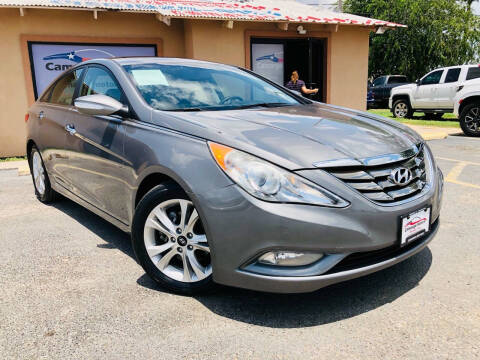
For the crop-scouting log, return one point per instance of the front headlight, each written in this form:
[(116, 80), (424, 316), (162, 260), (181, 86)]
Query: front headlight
[(269, 182)]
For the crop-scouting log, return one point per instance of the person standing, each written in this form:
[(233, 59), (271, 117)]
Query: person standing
[(299, 85)]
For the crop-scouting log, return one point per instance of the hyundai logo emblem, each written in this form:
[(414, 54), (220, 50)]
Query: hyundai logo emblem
[(401, 176)]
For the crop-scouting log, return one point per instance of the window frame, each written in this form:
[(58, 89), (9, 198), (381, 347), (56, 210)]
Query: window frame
[(468, 71), (55, 83), (430, 73), (459, 69)]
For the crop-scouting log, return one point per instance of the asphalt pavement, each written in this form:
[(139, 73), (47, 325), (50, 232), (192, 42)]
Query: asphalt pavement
[(70, 288)]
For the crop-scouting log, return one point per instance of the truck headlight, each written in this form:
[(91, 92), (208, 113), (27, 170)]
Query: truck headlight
[(268, 182)]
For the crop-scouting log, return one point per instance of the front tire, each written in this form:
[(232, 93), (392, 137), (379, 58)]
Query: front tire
[(402, 109), (170, 242), (470, 120), (41, 181)]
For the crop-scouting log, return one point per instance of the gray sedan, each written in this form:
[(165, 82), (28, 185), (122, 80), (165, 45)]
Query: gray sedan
[(222, 176)]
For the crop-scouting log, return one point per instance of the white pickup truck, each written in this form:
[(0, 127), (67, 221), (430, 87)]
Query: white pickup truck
[(433, 94), (467, 106)]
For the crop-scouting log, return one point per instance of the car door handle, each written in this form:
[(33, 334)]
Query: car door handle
[(70, 129), (41, 115)]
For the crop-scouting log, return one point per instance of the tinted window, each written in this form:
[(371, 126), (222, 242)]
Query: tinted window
[(452, 75), (46, 95), (397, 79), (176, 87), (473, 73), (379, 81), (99, 81), (433, 78), (63, 90)]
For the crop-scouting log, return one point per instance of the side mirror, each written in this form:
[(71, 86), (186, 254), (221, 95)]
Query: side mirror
[(418, 82), (99, 104)]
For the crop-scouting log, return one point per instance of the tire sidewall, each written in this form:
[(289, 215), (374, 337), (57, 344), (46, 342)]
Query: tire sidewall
[(463, 125), (155, 196), (47, 195)]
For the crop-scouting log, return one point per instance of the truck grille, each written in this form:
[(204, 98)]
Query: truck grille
[(376, 182)]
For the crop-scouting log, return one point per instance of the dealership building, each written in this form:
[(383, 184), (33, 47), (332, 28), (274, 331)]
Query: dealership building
[(42, 38)]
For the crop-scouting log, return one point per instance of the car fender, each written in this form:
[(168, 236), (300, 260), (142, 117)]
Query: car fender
[(467, 92)]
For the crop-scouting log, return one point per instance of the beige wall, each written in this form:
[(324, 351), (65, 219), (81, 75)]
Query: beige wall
[(347, 57)]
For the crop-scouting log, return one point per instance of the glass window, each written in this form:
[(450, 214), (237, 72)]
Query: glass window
[(63, 91), (432, 78), (473, 73), (177, 88), (397, 79), (452, 75), (379, 81), (99, 81)]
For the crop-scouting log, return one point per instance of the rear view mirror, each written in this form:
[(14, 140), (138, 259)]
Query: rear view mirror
[(99, 104), (418, 82)]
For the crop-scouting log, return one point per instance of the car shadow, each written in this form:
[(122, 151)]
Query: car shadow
[(327, 305)]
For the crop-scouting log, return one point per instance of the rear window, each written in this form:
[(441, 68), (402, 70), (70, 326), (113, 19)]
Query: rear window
[(473, 73), (397, 79)]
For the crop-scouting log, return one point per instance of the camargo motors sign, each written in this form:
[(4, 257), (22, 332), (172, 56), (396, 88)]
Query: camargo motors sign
[(48, 60)]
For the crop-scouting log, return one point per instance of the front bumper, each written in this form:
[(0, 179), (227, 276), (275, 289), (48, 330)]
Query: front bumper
[(240, 228)]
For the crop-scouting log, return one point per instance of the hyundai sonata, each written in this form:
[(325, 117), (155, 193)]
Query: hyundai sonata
[(222, 176)]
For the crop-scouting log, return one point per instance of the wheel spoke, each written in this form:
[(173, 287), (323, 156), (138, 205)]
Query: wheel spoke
[(198, 238), (192, 221), (186, 270), (201, 247), (198, 269), (183, 212), (152, 223), (165, 221), (158, 249), (165, 260)]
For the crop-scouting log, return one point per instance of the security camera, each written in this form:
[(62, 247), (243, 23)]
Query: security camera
[(301, 30)]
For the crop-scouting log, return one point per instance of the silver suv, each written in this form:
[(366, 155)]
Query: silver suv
[(223, 176)]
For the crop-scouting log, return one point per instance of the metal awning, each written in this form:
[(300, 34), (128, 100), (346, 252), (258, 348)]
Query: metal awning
[(252, 10)]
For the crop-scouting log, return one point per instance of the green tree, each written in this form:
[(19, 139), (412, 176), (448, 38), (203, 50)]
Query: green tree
[(440, 33)]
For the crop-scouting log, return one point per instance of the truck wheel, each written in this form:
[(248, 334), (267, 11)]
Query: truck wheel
[(433, 116), (402, 109), (470, 120)]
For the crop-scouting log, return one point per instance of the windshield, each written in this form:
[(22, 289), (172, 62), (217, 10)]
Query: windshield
[(192, 88)]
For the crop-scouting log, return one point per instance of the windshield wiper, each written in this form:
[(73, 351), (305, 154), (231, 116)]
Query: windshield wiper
[(266, 105), (187, 109)]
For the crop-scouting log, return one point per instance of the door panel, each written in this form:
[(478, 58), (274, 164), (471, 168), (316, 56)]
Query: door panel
[(447, 90), (426, 92), (94, 147)]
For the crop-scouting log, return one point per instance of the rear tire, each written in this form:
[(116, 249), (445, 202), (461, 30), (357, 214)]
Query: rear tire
[(169, 241), (470, 119), (41, 181), (401, 109)]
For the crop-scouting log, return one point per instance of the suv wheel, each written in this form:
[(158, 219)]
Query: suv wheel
[(170, 242), (470, 119), (402, 109), (41, 182)]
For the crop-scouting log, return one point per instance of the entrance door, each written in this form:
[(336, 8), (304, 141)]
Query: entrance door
[(305, 55)]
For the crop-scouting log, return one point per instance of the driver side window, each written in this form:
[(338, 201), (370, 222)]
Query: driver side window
[(432, 78), (99, 81)]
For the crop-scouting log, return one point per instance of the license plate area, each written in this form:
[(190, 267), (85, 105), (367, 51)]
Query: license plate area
[(414, 225)]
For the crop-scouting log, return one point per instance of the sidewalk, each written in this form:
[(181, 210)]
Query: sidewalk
[(434, 132)]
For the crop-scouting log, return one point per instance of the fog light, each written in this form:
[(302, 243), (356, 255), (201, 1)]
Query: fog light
[(284, 258)]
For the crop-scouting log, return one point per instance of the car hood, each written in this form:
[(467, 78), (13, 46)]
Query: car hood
[(297, 137), (404, 87)]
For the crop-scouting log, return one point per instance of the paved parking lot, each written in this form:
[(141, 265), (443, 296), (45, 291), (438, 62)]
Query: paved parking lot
[(70, 288)]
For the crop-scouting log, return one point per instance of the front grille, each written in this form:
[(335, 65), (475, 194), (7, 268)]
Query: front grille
[(375, 181)]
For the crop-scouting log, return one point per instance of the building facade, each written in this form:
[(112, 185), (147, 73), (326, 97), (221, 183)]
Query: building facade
[(38, 42)]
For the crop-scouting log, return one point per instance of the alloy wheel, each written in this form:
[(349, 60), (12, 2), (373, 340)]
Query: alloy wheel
[(176, 242), (401, 110), (472, 120), (38, 173)]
